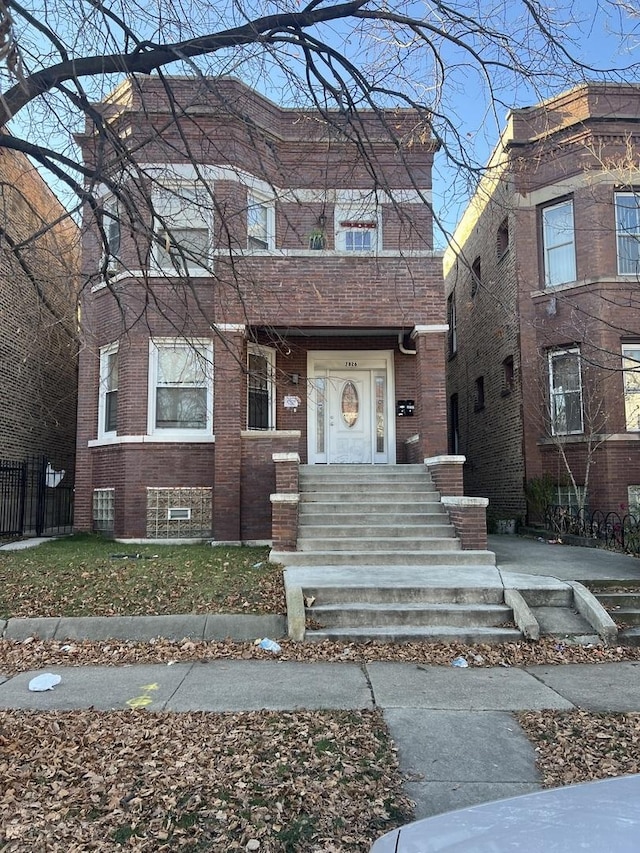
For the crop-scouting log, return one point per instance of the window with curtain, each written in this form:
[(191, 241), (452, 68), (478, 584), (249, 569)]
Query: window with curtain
[(558, 243), (183, 227), (628, 232), (565, 392), (181, 381)]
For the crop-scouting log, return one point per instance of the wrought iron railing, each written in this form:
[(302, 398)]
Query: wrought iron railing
[(620, 532)]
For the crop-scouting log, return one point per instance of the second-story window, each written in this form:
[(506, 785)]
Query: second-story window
[(110, 234), (260, 222), (558, 244), (357, 227), (628, 232), (183, 228), (451, 321)]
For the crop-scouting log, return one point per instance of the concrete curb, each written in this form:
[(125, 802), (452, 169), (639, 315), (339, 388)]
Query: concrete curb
[(214, 626), (590, 609)]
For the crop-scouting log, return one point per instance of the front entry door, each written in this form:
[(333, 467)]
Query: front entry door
[(349, 416)]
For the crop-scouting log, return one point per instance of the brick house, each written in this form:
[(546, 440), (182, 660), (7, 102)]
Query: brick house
[(542, 283), (283, 299), (39, 266)]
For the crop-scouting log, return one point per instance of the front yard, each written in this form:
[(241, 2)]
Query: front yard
[(91, 576)]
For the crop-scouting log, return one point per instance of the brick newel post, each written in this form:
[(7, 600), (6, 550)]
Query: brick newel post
[(284, 502), (469, 517), (446, 473)]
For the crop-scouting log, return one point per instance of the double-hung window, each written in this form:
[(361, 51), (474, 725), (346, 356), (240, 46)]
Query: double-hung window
[(631, 374), (260, 222), (628, 232), (183, 228), (558, 243), (260, 390), (180, 387), (565, 392), (108, 395)]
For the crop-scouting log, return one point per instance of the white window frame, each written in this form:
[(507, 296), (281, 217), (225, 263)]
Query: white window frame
[(631, 372), (105, 354), (179, 513), (555, 394), (194, 215), (566, 497), (361, 214), (112, 233), (553, 243), (624, 234), (206, 349), (267, 203), (269, 354)]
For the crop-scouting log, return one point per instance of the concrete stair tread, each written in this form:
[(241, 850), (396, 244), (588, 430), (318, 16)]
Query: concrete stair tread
[(365, 559), (417, 633), (381, 544), (409, 605), (630, 636), (444, 576)]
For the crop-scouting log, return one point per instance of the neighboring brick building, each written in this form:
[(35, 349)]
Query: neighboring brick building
[(310, 319), (39, 267), (543, 284)]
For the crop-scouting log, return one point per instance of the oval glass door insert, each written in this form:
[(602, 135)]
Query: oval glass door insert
[(349, 404)]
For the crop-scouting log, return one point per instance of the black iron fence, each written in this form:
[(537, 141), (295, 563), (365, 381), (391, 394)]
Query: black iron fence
[(620, 532), (35, 499)]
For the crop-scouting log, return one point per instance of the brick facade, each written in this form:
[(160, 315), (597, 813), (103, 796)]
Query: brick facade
[(581, 147), (38, 336), (324, 316)]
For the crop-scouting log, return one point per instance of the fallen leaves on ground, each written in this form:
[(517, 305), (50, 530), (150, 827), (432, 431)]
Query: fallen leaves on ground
[(20, 656), (579, 746), (270, 782)]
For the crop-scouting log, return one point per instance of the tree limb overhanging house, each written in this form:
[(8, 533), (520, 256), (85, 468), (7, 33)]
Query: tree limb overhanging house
[(542, 280), (262, 287)]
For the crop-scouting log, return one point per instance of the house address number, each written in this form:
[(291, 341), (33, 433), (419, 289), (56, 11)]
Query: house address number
[(351, 364)]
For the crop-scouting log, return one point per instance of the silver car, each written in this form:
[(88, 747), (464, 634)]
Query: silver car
[(598, 817)]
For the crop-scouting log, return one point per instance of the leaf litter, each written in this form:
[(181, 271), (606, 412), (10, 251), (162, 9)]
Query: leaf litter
[(276, 782)]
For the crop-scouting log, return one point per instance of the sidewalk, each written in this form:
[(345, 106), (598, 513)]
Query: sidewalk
[(458, 741)]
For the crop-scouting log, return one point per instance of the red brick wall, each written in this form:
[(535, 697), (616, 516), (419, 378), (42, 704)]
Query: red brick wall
[(38, 334)]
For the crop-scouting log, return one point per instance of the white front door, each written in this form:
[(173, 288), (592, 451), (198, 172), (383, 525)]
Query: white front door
[(350, 407), (349, 416)]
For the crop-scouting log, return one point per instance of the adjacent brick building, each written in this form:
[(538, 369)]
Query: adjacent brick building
[(39, 266), (543, 281), (264, 282)]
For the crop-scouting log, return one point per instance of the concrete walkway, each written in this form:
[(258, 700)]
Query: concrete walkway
[(458, 740)]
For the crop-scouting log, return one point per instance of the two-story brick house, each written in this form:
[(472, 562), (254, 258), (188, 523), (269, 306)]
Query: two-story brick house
[(264, 282), (542, 280)]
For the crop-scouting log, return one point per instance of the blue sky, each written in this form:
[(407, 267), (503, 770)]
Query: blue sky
[(603, 35)]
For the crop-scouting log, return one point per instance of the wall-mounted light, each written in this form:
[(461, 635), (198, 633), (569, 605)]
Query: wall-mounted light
[(294, 377)]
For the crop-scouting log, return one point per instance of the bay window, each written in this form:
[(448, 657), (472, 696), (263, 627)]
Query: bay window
[(183, 228), (180, 386), (628, 232)]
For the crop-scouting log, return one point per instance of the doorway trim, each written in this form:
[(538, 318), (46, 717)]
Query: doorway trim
[(319, 364)]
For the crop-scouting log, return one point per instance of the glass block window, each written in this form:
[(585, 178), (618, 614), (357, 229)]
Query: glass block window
[(103, 510), (179, 513)]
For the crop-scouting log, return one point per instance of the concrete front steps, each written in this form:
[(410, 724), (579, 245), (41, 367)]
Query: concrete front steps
[(376, 553), (378, 559)]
